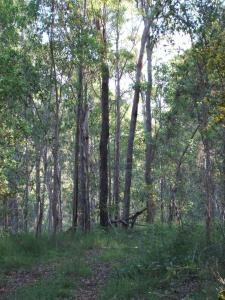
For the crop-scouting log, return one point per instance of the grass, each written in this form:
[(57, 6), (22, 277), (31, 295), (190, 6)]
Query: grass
[(157, 262), (164, 262)]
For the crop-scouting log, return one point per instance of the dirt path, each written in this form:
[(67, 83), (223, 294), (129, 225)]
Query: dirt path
[(14, 280), (89, 287)]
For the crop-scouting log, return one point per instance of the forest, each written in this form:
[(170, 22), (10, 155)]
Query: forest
[(112, 149)]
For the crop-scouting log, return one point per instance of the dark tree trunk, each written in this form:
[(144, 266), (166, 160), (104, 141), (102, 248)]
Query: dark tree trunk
[(104, 146), (109, 183), (162, 213), (116, 177), (38, 184)]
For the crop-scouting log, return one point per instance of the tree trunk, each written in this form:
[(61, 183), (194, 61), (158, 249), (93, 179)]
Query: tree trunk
[(208, 188), (60, 227), (223, 177), (50, 196), (84, 162), (42, 198), (116, 177), (129, 160), (148, 138), (55, 152), (162, 214), (14, 213), (109, 183), (77, 149), (104, 146), (26, 192), (38, 185)]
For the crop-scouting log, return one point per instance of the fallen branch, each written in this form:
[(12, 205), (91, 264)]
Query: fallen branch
[(132, 219)]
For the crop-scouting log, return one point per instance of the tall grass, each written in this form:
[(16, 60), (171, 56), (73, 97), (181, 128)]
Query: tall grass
[(155, 262)]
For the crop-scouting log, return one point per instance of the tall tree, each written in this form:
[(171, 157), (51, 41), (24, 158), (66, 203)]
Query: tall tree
[(148, 135), (55, 150), (116, 177), (137, 88), (104, 139)]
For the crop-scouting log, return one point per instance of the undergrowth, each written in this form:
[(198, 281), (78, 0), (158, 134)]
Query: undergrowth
[(155, 262)]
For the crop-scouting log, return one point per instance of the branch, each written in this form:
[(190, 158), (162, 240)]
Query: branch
[(132, 219)]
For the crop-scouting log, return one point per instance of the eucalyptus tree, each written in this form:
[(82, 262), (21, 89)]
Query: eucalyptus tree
[(150, 13)]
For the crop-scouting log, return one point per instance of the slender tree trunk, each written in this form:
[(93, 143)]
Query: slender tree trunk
[(38, 184), (42, 198), (129, 161), (60, 199), (87, 165), (5, 214), (223, 178), (148, 138), (162, 213), (81, 159), (208, 188), (104, 146), (26, 192), (116, 177), (109, 183), (14, 212), (76, 150), (50, 196), (55, 152), (84, 162)]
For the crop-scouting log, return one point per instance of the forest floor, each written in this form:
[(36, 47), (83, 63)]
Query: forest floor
[(158, 262)]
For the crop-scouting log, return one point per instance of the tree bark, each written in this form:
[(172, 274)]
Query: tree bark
[(84, 163), (104, 146), (223, 176), (26, 192), (116, 177), (42, 198), (50, 196), (55, 150), (76, 153), (129, 160), (148, 137), (38, 184)]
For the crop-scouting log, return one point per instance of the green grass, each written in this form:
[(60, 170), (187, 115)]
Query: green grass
[(157, 262), (164, 262), (62, 285)]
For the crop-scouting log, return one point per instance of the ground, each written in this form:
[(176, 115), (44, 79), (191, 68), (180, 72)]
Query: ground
[(157, 262)]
